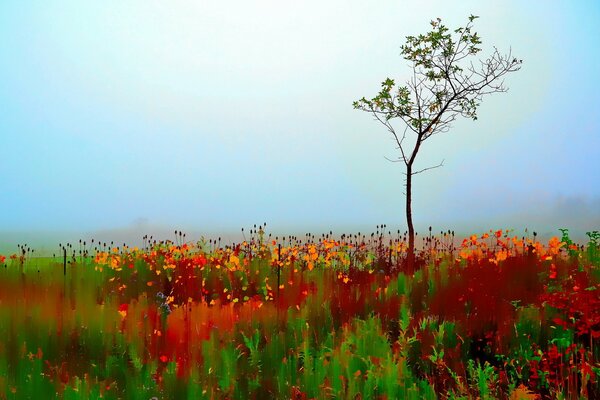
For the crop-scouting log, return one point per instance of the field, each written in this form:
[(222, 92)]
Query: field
[(491, 316)]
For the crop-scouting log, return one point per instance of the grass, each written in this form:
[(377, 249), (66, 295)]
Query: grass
[(495, 317)]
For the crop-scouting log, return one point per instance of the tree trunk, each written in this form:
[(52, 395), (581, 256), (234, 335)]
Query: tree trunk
[(411, 230)]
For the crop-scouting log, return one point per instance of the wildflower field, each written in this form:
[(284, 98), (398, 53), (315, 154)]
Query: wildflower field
[(491, 316)]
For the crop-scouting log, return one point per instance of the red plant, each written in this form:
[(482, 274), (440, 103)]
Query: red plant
[(578, 300)]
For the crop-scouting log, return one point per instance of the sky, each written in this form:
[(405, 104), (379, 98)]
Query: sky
[(145, 116)]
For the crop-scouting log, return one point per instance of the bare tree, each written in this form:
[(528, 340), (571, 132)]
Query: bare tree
[(445, 83)]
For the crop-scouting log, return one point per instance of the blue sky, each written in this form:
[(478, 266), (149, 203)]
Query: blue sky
[(212, 116)]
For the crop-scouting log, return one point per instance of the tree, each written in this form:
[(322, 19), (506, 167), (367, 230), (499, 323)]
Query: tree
[(445, 83)]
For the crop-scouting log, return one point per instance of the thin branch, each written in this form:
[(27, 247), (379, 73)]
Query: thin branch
[(390, 160), (393, 132), (400, 146), (428, 168)]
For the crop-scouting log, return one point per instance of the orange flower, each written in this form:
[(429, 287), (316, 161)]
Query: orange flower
[(554, 245), (473, 239), (501, 255)]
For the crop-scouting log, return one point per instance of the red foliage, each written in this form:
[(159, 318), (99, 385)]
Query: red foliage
[(579, 302)]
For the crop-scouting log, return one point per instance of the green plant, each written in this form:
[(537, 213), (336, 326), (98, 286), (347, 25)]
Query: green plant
[(568, 242), (483, 378), (593, 247)]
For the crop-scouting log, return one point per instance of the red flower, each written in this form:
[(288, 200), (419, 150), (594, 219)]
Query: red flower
[(553, 272), (123, 308)]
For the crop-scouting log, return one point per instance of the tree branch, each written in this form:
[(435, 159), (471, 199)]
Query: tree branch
[(428, 168)]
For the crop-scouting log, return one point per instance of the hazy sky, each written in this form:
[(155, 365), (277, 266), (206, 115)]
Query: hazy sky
[(212, 116)]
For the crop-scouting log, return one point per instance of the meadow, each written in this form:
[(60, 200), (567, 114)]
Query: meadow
[(490, 316)]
